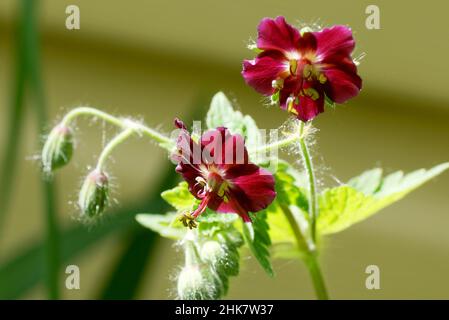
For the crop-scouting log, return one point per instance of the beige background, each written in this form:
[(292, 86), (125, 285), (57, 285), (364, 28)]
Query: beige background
[(152, 59)]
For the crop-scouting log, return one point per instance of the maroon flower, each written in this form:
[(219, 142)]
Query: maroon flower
[(218, 172), (300, 69)]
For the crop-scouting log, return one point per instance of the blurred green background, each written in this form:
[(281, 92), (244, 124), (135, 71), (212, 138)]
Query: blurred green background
[(160, 59)]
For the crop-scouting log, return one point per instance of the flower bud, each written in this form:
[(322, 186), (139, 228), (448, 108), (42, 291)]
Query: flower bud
[(94, 194), (198, 282), (58, 148), (221, 257)]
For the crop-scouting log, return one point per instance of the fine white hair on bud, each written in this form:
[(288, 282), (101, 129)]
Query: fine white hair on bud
[(198, 282), (94, 194), (58, 148), (222, 257), (212, 252)]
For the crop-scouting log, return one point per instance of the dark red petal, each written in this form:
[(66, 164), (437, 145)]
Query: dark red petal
[(308, 107), (260, 73), (336, 40), (341, 84), (233, 206), (292, 86), (189, 173), (222, 148), (277, 34), (307, 43), (252, 187)]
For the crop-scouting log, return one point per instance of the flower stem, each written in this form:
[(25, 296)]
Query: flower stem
[(310, 256), (317, 277), (276, 145), (308, 167), (117, 140), (82, 111), (135, 126)]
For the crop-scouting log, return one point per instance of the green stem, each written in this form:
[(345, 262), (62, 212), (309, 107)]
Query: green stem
[(276, 145), (81, 111), (52, 232), (308, 167), (117, 140), (137, 127), (15, 121), (317, 277), (310, 256)]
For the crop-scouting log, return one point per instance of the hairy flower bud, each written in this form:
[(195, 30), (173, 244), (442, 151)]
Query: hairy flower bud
[(198, 282), (94, 194), (58, 148), (197, 279), (223, 258)]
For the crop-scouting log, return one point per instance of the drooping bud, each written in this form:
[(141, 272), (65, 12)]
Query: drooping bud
[(58, 148), (94, 194)]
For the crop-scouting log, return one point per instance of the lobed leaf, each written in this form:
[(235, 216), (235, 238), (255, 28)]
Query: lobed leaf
[(166, 225), (180, 197), (258, 240), (367, 194), (222, 114)]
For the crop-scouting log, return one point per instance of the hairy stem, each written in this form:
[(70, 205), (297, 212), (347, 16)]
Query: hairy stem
[(116, 141), (88, 111), (136, 127), (276, 145), (308, 167)]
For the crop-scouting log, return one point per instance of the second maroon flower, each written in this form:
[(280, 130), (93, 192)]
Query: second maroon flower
[(299, 70)]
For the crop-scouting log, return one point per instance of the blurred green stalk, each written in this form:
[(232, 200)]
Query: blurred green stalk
[(34, 72), (16, 113), (28, 76)]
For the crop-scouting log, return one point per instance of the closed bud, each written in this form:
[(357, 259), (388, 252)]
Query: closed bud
[(223, 258), (58, 148), (198, 282), (94, 194)]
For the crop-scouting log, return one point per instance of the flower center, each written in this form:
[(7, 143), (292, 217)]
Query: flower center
[(307, 69), (217, 184)]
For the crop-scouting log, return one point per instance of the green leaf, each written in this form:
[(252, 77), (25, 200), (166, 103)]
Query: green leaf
[(366, 194), (165, 224), (180, 197), (222, 114), (210, 216), (258, 240), (368, 182), (289, 186)]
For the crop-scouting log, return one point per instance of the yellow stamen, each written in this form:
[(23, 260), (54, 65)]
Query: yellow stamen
[(293, 66), (188, 221), (322, 78), (312, 93), (290, 107)]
